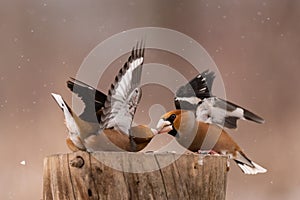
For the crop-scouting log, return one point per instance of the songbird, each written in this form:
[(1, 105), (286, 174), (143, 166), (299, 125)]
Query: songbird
[(196, 96), (105, 123), (199, 136), (94, 102)]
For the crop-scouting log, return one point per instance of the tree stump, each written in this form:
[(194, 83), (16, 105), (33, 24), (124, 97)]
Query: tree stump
[(125, 175)]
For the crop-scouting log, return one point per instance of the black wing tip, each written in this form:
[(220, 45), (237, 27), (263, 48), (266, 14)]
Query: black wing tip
[(248, 115), (138, 51), (70, 84), (207, 74), (253, 117)]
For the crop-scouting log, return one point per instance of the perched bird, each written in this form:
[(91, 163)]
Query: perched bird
[(105, 123), (199, 136), (196, 96)]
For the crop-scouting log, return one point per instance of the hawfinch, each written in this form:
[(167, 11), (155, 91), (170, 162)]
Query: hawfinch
[(199, 136), (196, 96), (105, 124)]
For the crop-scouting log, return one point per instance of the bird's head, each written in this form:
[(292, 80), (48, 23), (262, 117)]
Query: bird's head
[(175, 121)]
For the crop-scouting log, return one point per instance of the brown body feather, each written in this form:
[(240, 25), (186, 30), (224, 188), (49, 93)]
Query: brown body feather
[(195, 136), (113, 140)]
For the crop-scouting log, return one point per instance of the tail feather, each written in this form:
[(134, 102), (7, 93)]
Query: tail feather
[(248, 166), (62, 104), (69, 115), (251, 170), (74, 141)]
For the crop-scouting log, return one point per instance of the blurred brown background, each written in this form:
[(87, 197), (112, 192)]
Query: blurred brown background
[(254, 43)]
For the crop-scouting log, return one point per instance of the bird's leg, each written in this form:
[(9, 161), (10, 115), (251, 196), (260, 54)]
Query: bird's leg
[(204, 153)]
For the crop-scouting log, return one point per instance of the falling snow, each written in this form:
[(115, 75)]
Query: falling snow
[(261, 15)]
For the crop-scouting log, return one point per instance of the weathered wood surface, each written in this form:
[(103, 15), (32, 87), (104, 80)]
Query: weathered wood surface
[(81, 175)]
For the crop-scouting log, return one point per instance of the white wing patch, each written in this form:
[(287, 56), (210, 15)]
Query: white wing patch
[(124, 95), (191, 100), (206, 112), (122, 113), (209, 112)]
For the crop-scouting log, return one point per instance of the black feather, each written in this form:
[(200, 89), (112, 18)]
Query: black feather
[(200, 86), (93, 99), (231, 122)]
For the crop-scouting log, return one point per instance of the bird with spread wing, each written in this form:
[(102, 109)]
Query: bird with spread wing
[(196, 96), (106, 121), (199, 118)]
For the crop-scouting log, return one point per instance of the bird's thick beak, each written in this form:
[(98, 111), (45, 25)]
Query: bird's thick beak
[(163, 126), (162, 123), (154, 131)]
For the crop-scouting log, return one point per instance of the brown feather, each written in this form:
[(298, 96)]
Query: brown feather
[(192, 134), (72, 146)]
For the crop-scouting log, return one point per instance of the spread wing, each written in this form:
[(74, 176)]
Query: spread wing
[(224, 113), (125, 93), (188, 96), (196, 96), (92, 98)]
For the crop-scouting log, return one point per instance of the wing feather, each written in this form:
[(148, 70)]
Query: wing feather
[(194, 91), (224, 113), (124, 94), (93, 99)]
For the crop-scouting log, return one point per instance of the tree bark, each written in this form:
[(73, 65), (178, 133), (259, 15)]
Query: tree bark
[(124, 175)]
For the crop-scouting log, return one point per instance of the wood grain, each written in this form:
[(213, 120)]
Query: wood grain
[(125, 175)]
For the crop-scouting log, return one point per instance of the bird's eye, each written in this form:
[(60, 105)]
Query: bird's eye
[(172, 117)]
